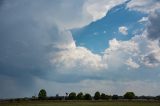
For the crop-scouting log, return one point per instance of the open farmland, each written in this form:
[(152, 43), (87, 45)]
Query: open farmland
[(80, 103)]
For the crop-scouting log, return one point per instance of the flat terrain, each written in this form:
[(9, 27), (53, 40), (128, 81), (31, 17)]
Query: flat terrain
[(80, 103)]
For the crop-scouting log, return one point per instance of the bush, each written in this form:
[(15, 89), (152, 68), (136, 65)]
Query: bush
[(97, 96), (72, 96), (80, 96), (103, 96), (87, 97), (129, 95)]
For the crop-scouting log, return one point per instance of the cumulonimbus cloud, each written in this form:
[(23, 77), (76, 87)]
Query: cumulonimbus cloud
[(34, 31)]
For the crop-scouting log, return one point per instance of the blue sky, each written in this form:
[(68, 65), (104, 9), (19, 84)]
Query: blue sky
[(111, 46), (96, 35)]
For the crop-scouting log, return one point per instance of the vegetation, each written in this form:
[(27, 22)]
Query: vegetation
[(103, 96), (42, 94), (87, 96), (97, 96), (80, 96), (72, 96), (129, 95)]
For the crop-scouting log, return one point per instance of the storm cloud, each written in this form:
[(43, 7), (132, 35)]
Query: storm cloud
[(153, 28), (27, 35), (31, 32)]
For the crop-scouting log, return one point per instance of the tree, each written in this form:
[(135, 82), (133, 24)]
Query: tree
[(103, 96), (115, 97), (42, 94), (87, 96), (129, 95), (97, 96), (72, 96), (80, 96)]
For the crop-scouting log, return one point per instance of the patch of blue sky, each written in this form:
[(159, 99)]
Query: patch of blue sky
[(96, 35)]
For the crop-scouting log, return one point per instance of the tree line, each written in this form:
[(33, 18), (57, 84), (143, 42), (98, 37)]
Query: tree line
[(97, 96)]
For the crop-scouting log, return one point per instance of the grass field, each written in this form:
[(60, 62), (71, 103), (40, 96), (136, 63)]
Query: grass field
[(81, 104)]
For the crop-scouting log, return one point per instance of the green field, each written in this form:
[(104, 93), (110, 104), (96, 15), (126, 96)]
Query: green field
[(84, 103)]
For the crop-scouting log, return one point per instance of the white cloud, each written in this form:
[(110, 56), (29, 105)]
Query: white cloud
[(119, 51), (80, 59), (132, 64), (143, 19), (124, 46), (149, 51), (152, 57), (99, 8), (146, 6), (143, 50), (77, 59), (86, 11), (123, 30)]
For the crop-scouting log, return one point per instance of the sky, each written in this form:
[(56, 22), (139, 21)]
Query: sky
[(111, 46)]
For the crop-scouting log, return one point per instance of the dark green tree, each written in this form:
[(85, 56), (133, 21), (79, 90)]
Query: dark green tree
[(72, 96), (42, 94), (97, 96), (87, 96), (103, 96), (80, 96), (129, 95)]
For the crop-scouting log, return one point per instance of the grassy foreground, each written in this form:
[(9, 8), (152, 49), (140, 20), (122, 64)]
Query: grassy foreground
[(80, 103)]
